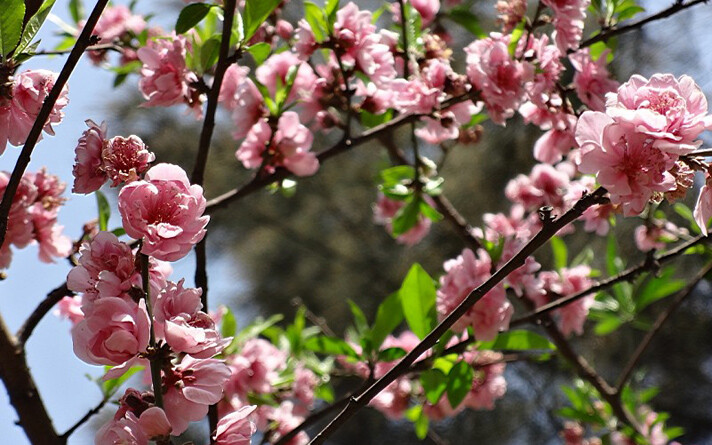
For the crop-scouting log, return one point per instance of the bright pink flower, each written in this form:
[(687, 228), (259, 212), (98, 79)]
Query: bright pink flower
[(236, 428), (673, 111), (165, 79), (463, 274), (19, 227), (154, 423), (553, 145), (88, 170), (255, 367), (115, 332), (545, 186), (164, 210), (303, 387), (549, 68), (427, 9), (192, 387), (185, 328), (625, 162), (125, 159), (386, 209), (563, 283), (288, 148), (499, 79), (29, 90), (592, 80), (568, 22)]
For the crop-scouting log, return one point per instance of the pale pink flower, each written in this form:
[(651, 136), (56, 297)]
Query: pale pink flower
[(305, 44), (19, 227), (192, 387), (179, 320), (625, 162), (249, 108), (275, 69), (488, 384), (288, 148), (394, 400), (499, 79), (427, 9), (703, 208), (441, 410), (124, 430), (88, 170), (545, 186), (542, 88), (164, 210), (463, 274), (286, 421), (385, 209), (568, 21), (656, 234), (125, 159), (303, 387), (154, 423), (510, 13), (672, 111), (283, 29), (236, 428), (255, 367), (114, 333), (70, 308), (52, 243), (565, 282), (165, 79), (115, 23), (234, 76), (592, 80)]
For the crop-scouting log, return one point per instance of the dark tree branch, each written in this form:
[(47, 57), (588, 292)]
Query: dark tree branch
[(613, 31), (99, 47), (659, 322), (83, 41), (84, 419), (548, 230), (23, 334)]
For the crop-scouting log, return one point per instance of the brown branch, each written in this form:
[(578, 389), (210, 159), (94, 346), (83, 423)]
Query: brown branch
[(84, 419), (548, 230), (659, 322), (627, 275), (23, 334), (24, 397), (83, 41), (613, 31)]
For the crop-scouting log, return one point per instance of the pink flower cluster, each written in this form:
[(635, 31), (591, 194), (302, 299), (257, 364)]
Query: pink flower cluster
[(634, 148), (97, 159), (18, 113), (33, 217), (568, 21), (117, 24)]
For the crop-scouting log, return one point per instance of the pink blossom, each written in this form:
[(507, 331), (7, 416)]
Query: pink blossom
[(386, 209), (236, 428), (510, 13), (234, 76), (52, 243), (115, 332), (394, 400), (255, 367), (488, 384), (154, 423), (673, 111), (249, 108), (29, 91), (88, 170), (592, 80), (125, 159), (303, 388), (180, 322), (463, 274), (545, 186), (274, 72), (125, 430), (625, 162), (568, 21), (441, 410), (305, 44), (288, 148), (165, 79), (498, 78), (164, 210), (115, 23), (427, 9), (656, 234), (70, 308), (286, 421), (566, 282), (192, 387), (703, 208)]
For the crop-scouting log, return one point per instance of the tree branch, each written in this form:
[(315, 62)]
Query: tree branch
[(84, 419), (23, 160), (23, 334)]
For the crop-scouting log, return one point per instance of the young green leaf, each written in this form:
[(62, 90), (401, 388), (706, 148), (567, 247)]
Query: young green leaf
[(259, 51), (228, 328), (256, 12), (517, 34), (560, 252), (406, 217), (434, 383), (388, 316), (518, 341), (209, 53), (657, 288), (417, 296), (459, 383), (109, 387), (391, 354), (11, 14), (104, 210), (463, 17), (76, 10), (190, 16), (329, 346), (316, 18)]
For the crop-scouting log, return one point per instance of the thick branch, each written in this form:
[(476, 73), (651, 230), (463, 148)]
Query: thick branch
[(659, 322), (21, 389), (26, 154), (548, 230)]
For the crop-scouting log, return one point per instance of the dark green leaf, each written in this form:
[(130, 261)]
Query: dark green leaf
[(518, 341), (388, 316), (33, 25), (417, 295), (459, 383), (260, 52), (190, 16), (209, 53), (391, 354), (329, 346), (11, 14), (560, 252), (434, 383), (314, 15), (463, 17), (104, 210), (406, 217), (228, 328), (256, 12), (119, 231), (657, 288)]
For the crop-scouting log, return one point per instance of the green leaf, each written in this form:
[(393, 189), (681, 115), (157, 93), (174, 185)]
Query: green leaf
[(388, 316), (370, 120), (11, 14), (260, 52), (329, 346), (657, 288), (459, 383), (209, 52), (434, 383), (359, 318), (397, 175), (463, 17), (429, 211), (597, 50), (517, 34), (33, 26), (518, 341), (316, 18), (406, 217), (421, 426), (391, 354), (256, 12), (283, 91), (324, 392), (417, 295), (228, 328), (685, 212), (331, 7), (76, 10), (104, 210), (560, 252), (119, 231), (255, 328), (190, 16), (608, 324), (109, 387)]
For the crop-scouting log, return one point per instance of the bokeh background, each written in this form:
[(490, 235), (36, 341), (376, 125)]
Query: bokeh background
[(321, 247)]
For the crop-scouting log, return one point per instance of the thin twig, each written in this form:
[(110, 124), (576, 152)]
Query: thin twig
[(548, 230), (99, 47), (608, 33), (659, 322), (23, 334), (84, 419), (23, 160), (154, 361)]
